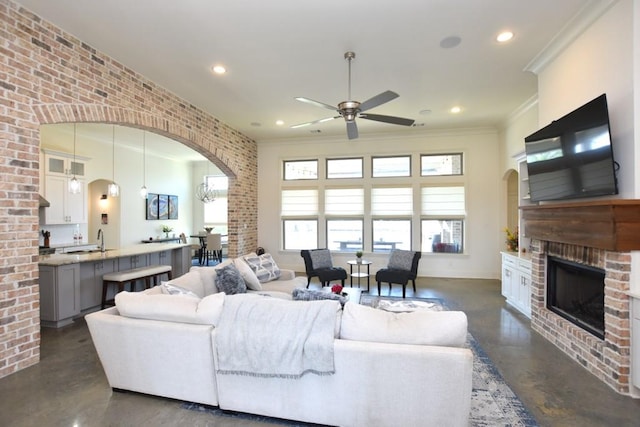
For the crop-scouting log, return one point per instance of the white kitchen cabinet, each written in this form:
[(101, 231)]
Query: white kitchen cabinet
[(64, 164), (65, 207), (516, 282), (59, 294)]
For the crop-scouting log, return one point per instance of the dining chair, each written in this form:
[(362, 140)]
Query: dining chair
[(214, 247)]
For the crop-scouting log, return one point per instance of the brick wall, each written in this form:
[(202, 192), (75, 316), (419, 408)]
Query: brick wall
[(48, 76), (608, 358)]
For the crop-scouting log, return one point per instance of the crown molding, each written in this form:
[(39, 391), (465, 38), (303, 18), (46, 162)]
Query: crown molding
[(590, 13)]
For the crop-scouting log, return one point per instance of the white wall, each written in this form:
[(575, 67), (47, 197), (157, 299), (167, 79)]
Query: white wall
[(599, 61), (482, 177)]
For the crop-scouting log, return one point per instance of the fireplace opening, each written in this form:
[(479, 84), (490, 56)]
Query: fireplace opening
[(576, 292)]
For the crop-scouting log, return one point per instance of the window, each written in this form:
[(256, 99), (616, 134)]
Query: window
[(300, 169), (391, 166), (344, 201), (441, 164), (345, 234), (390, 201), (344, 168), (391, 234), (215, 213), (392, 208), (299, 202), (300, 234), (442, 225)]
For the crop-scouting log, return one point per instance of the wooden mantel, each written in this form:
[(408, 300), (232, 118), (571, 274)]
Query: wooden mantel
[(608, 224)]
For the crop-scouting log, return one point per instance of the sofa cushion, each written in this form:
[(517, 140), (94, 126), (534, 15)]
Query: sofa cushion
[(400, 260), (190, 281), (170, 308), (264, 267), (247, 273), (321, 258), (230, 281), (441, 328)]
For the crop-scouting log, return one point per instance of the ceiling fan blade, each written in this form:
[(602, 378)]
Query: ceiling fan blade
[(316, 103), (352, 130), (378, 100), (388, 119), (326, 119)]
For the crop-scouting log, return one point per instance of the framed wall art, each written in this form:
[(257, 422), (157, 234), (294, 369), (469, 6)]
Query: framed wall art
[(173, 207), (152, 206)]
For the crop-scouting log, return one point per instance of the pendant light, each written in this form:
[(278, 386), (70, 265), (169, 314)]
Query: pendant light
[(204, 192), (74, 184), (113, 189), (143, 190)]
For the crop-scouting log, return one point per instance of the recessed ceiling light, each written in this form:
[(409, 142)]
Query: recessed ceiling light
[(218, 69), (279, 122), (450, 42), (455, 110), (504, 36)]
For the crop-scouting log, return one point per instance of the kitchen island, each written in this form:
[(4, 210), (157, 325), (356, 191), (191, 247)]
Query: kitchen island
[(71, 284)]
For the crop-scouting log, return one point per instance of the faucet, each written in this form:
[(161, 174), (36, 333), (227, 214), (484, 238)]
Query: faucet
[(101, 237)]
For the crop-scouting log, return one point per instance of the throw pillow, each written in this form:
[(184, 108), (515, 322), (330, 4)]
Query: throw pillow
[(248, 274), (230, 281), (300, 294), (321, 258), (190, 281), (264, 267), (400, 260), (171, 289), (440, 328)]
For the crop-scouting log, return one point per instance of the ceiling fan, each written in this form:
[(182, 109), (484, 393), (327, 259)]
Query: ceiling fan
[(352, 109)]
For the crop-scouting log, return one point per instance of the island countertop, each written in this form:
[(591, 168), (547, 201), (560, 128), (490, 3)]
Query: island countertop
[(62, 259)]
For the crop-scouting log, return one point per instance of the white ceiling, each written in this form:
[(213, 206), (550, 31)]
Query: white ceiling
[(280, 49)]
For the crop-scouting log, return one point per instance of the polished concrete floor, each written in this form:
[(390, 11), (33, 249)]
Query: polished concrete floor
[(68, 386)]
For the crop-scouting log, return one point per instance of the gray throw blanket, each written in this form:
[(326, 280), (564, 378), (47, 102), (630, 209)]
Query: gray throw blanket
[(270, 337)]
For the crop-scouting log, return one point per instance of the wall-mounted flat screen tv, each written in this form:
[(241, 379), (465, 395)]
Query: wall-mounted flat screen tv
[(572, 157)]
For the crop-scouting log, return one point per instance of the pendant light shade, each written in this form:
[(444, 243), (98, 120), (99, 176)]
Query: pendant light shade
[(74, 184), (143, 190), (113, 189)]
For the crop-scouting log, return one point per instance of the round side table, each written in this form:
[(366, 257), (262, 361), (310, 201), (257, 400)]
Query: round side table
[(359, 271)]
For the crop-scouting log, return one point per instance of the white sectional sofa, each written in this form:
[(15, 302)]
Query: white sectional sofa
[(391, 369)]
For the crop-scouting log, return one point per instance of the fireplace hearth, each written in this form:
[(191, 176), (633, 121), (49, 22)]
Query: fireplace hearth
[(576, 292)]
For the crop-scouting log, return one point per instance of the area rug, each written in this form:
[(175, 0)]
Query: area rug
[(493, 403)]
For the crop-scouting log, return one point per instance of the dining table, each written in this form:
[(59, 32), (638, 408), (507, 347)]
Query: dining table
[(202, 238)]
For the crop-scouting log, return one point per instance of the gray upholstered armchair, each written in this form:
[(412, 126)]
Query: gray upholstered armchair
[(318, 263), (402, 267)]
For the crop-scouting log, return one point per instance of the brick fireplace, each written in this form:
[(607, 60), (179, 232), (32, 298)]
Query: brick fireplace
[(595, 234)]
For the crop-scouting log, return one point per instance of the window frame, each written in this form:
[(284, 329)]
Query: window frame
[(284, 170), (442, 155), (374, 158), (338, 159)]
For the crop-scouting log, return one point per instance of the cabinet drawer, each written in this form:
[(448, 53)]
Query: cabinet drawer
[(509, 260), (524, 266)]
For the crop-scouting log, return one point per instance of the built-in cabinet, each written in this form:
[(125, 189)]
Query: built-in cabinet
[(70, 290), (65, 207), (516, 282), (516, 266), (59, 294), (91, 282)]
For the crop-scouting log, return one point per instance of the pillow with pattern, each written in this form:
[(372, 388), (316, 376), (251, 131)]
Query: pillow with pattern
[(400, 260), (263, 266), (321, 258), (230, 281)]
